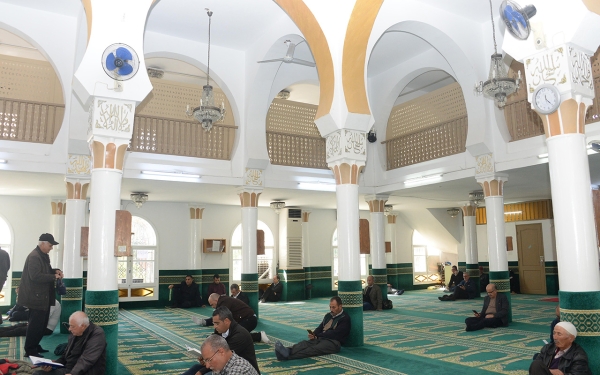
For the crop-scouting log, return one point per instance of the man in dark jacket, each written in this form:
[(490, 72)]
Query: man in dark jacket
[(4, 267), (273, 292), (466, 289), (237, 293), (86, 349), (237, 337), (372, 298), (187, 294), (327, 338), (37, 291), (494, 312), (564, 354), (457, 277)]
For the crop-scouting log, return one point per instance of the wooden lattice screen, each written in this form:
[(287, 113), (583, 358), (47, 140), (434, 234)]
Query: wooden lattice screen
[(426, 128), (292, 136), (31, 101), (162, 127)]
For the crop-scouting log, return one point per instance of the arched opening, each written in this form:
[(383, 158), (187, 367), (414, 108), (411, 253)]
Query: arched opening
[(137, 275), (266, 270), (6, 245)]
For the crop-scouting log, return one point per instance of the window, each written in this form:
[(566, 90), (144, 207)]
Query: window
[(138, 275), (364, 263), (425, 261), (5, 244), (265, 262)]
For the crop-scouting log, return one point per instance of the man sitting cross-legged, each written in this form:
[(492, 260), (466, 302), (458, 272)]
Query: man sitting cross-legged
[(327, 338), (237, 337), (494, 312), (466, 289)]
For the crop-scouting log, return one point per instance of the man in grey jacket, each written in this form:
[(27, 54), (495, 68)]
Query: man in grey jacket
[(37, 292), (86, 349)]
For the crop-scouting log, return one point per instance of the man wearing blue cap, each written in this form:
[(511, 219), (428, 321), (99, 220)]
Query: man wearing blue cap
[(37, 292)]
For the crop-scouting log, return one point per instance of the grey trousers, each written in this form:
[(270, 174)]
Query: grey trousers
[(313, 348)]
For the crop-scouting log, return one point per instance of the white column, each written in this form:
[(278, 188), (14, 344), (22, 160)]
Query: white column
[(469, 218), (249, 227), (305, 240), (377, 230), (494, 204), (74, 220), (195, 236), (577, 251), (104, 202), (58, 231), (348, 232)]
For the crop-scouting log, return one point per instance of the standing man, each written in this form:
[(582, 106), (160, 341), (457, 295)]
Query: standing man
[(372, 298), (37, 291), (273, 292), (237, 293), (4, 267)]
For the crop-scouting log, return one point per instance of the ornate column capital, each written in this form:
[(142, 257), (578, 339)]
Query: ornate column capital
[(196, 212), (392, 218), (77, 180), (492, 184), (305, 215), (249, 196), (59, 207), (109, 132), (345, 146), (469, 209), (376, 202)]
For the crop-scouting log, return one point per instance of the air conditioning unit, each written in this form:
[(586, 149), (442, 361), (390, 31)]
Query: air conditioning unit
[(290, 239)]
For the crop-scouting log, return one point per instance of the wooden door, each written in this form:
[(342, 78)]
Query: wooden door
[(532, 270)]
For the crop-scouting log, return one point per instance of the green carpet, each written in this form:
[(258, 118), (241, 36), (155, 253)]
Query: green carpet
[(420, 336)]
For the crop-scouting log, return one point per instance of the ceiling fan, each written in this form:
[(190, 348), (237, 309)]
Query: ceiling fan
[(289, 56)]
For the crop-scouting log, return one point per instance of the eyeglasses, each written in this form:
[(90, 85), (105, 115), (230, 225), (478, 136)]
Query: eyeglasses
[(207, 361)]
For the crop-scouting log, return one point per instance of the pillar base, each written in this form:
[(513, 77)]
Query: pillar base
[(71, 302), (351, 294), (583, 310), (405, 276), (102, 307), (502, 281), (293, 285), (380, 276), (250, 288)]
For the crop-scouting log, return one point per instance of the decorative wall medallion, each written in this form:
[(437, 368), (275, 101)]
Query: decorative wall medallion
[(355, 143), (334, 147), (484, 164), (113, 116), (546, 68), (581, 69), (253, 177), (79, 164)]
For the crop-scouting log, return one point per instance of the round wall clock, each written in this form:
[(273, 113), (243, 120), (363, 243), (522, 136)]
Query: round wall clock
[(546, 99)]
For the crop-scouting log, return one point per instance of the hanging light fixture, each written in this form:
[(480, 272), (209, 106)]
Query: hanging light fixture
[(498, 85), (277, 206), (387, 209), (207, 113), (453, 212), (139, 199), (477, 197)]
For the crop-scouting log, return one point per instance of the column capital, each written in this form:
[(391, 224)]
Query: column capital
[(58, 207), (391, 219), (469, 209), (249, 196), (196, 212), (492, 184), (376, 202), (77, 188), (305, 215)]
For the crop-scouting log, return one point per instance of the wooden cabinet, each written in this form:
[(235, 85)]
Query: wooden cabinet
[(214, 245)]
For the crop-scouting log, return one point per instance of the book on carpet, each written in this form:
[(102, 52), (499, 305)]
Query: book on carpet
[(194, 350), (39, 361)]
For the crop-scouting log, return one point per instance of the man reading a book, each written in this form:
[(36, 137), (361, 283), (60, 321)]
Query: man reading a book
[(86, 349)]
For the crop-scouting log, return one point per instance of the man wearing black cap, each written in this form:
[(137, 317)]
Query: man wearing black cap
[(37, 291)]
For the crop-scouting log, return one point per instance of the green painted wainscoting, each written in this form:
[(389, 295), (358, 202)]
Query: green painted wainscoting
[(392, 274), (293, 285), (552, 286), (320, 279), (405, 277)]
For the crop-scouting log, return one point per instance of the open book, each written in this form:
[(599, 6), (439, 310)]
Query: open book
[(194, 350), (39, 361)]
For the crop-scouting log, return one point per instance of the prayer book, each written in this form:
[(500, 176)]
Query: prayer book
[(39, 361)]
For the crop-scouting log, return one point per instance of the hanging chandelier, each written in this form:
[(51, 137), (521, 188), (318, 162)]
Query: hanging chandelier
[(207, 113), (498, 85), (139, 199)]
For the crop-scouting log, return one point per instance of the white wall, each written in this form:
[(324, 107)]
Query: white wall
[(28, 217), (511, 231)]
